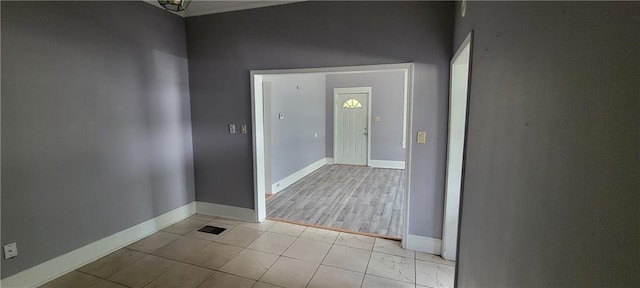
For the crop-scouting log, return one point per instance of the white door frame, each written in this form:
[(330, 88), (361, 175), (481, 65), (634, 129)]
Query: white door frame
[(257, 111), (456, 151), (352, 90)]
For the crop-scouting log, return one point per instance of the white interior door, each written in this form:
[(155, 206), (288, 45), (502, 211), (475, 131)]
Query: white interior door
[(455, 152), (351, 128)]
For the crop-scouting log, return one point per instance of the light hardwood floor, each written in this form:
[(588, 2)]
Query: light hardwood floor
[(354, 198)]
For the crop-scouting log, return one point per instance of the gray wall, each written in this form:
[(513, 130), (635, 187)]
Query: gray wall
[(387, 101), (552, 175), (294, 145), (223, 48), (95, 123)]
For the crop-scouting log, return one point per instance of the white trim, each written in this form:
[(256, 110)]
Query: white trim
[(339, 70), (409, 139), (352, 90), (258, 123), (423, 244), (330, 160), (387, 164), (259, 181), (467, 40), (336, 109), (266, 101), (404, 111), (458, 100), (226, 211), (63, 264), (295, 176), (369, 105)]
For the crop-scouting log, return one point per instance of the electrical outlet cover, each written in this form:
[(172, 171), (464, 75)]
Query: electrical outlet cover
[(10, 250)]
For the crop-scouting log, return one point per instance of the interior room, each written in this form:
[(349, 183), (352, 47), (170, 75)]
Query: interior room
[(358, 187), (134, 153)]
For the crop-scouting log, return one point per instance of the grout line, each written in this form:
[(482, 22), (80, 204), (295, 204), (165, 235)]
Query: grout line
[(267, 270), (325, 257), (160, 275), (415, 271), (128, 265), (214, 271), (386, 253), (254, 240), (274, 262), (346, 269), (395, 280), (125, 266), (111, 274), (335, 229), (183, 262), (149, 254), (367, 268), (414, 265)]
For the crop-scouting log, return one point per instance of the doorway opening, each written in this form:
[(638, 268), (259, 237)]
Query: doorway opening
[(319, 149)]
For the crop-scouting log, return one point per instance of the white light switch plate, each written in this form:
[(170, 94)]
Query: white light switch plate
[(422, 137), (10, 250)]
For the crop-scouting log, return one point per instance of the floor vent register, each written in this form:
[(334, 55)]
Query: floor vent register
[(212, 229)]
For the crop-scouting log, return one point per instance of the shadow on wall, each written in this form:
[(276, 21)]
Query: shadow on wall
[(428, 161), (341, 31), (170, 129), (95, 123)]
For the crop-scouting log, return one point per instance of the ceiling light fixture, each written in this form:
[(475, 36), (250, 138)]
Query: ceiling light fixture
[(174, 5)]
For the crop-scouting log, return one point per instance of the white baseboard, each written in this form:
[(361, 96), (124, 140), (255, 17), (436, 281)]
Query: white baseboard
[(424, 244), (330, 161), (231, 212), (287, 181), (386, 164), (63, 264)]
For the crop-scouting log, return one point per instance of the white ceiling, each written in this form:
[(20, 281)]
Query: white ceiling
[(202, 7)]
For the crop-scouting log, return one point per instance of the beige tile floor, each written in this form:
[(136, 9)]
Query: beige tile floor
[(260, 255)]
